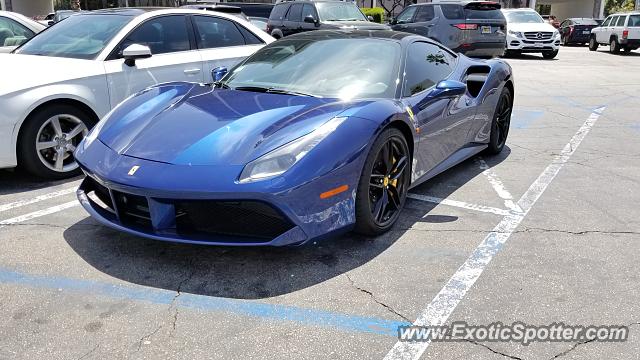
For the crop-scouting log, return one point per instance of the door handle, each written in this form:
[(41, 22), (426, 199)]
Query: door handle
[(192, 71)]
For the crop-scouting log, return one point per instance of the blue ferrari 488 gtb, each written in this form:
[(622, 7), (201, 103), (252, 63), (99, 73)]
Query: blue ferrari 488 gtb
[(319, 132)]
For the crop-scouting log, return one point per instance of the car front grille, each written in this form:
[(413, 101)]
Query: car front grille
[(242, 219), (200, 220), (538, 35)]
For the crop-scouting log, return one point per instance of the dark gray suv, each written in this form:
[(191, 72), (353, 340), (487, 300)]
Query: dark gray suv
[(474, 28)]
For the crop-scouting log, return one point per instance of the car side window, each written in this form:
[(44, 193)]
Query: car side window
[(295, 13), (606, 22), (406, 15), (614, 20), (426, 65), (10, 30), (309, 10), (214, 32), (165, 34), (278, 12), (249, 37), (621, 21), (424, 13), (452, 11)]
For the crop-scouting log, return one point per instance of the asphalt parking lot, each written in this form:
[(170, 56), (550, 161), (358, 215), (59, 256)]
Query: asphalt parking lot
[(548, 231)]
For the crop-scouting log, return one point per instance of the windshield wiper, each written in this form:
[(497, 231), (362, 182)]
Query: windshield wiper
[(288, 92), (272, 90)]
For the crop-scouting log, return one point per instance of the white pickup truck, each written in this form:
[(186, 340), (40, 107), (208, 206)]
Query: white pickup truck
[(619, 31)]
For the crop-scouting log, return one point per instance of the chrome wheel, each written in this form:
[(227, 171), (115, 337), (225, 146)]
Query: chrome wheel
[(57, 139), (387, 182)]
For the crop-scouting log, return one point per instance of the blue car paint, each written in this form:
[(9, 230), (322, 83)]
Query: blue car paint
[(192, 141)]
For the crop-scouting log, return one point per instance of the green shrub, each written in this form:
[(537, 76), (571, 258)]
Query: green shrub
[(377, 13)]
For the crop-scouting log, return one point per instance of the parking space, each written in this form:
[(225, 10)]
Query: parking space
[(547, 231)]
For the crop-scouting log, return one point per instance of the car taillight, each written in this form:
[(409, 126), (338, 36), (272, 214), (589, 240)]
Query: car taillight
[(625, 34), (466, 26)]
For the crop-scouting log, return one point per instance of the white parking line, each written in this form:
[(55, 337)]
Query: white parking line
[(39, 213), (459, 204), (445, 302), (498, 186), (13, 205)]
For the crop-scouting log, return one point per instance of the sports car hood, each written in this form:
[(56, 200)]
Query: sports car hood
[(194, 124), (20, 72), (357, 25)]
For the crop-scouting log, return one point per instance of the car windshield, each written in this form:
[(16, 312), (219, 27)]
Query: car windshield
[(319, 68), (78, 37), (339, 11), (523, 17)]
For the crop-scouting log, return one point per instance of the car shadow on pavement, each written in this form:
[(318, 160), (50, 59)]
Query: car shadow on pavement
[(15, 182), (252, 273)]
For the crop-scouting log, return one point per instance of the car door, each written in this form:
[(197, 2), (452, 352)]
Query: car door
[(223, 42), (308, 10), (602, 29), (442, 122), (564, 28), (174, 57), (292, 20), (620, 24), (401, 23), (423, 21)]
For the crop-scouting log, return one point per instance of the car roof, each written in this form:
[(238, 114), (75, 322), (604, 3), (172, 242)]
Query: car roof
[(522, 9), (390, 35), (133, 11)]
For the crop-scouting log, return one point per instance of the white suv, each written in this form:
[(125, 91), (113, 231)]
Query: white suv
[(527, 32), (619, 31)]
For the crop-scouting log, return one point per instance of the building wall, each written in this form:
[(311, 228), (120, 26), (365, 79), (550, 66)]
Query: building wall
[(29, 8), (575, 8)]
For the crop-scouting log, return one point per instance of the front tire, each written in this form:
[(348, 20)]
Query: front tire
[(500, 123), (550, 54), (48, 139), (384, 183), (593, 44)]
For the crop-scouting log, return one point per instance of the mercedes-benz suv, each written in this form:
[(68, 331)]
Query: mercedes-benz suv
[(527, 32)]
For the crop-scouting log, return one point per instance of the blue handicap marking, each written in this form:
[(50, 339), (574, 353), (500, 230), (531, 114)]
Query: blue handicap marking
[(522, 119)]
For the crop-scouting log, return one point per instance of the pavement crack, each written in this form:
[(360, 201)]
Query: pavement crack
[(373, 297), (84, 356), (494, 351), (582, 232), (147, 336), (173, 305), (572, 348)]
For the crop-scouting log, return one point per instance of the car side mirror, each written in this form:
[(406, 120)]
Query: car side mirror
[(135, 51), (310, 19), (50, 23), (449, 88), (218, 73), (370, 18), (393, 21)]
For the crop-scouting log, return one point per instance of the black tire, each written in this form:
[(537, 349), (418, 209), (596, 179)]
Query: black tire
[(276, 34), (614, 46), (500, 123), (550, 54), (593, 44), (383, 186), (626, 50), (512, 53), (39, 128)]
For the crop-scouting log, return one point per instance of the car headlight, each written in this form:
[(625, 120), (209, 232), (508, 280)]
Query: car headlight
[(283, 158), (556, 33), (516, 34)]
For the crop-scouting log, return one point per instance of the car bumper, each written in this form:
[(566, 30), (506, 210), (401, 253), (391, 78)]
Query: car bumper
[(490, 49), (192, 204), (532, 46), (634, 43)]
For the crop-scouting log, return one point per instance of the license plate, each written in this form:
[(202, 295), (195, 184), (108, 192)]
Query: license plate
[(538, 44), (486, 29), (586, 32)]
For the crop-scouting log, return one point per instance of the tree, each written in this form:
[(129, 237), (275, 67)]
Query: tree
[(615, 6)]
